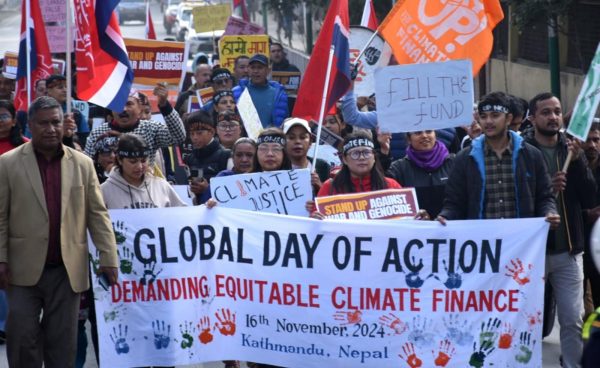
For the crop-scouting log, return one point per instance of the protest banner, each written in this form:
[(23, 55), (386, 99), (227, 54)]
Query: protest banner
[(587, 101), (238, 26), (424, 96), (230, 47), (59, 66), (289, 80), (156, 62), (83, 107), (184, 193), (201, 98), (209, 18), (327, 153), (380, 204), (374, 57), (249, 115), (433, 31), (11, 63), (284, 191), (54, 13), (198, 285)]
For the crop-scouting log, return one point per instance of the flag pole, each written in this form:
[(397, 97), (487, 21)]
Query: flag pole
[(365, 47), (68, 52), (28, 49), (322, 112)]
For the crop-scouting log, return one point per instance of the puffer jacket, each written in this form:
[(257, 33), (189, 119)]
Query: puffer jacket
[(465, 190), (280, 105)]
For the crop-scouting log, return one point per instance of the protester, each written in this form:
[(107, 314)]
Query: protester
[(40, 88), (591, 149), (240, 69), (155, 134), (222, 101), (269, 97), (575, 190), (426, 167), (56, 87), (244, 153), (297, 143), (221, 80), (44, 262), (207, 158), (280, 63), (229, 128), (499, 175), (473, 131), (105, 157), (518, 108), (202, 74), (131, 185), (10, 133), (270, 151)]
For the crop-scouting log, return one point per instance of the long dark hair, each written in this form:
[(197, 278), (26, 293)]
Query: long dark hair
[(286, 164), (342, 183), (14, 136)]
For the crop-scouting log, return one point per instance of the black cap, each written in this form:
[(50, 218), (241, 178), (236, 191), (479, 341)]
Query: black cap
[(53, 79), (259, 58), (220, 73)]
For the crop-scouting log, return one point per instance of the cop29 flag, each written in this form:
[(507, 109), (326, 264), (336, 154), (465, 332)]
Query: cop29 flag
[(199, 285), (424, 31)]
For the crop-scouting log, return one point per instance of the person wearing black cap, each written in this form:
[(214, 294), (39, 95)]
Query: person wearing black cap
[(268, 97), (484, 183)]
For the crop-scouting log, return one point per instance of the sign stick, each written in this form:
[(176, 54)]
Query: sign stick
[(322, 112), (28, 49), (567, 161), (68, 54)]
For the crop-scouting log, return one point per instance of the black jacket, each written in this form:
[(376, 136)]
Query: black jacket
[(211, 160), (430, 186), (465, 190), (580, 194)]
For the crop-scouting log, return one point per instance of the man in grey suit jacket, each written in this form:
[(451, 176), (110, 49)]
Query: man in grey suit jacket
[(49, 199)]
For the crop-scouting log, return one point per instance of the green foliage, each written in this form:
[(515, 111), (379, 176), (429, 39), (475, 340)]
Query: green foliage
[(528, 12)]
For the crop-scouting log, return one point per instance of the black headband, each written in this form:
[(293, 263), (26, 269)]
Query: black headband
[(270, 139), (358, 142), (134, 153), (495, 108), (219, 95)]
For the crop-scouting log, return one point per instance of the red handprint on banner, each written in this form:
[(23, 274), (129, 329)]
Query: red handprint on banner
[(410, 356), (349, 317), (518, 272), (226, 324), (445, 352), (393, 322), (506, 336), (205, 335)]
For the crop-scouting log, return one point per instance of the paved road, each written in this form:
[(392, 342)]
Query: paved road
[(9, 41)]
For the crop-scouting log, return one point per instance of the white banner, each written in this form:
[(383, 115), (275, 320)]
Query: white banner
[(200, 285), (249, 115), (426, 96), (284, 191)]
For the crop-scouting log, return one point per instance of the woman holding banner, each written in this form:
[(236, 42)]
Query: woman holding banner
[(426, 167)]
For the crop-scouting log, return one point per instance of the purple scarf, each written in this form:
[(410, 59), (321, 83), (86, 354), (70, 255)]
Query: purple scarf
[(428, 160)]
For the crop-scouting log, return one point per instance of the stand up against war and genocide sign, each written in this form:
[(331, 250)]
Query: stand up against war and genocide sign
[(230, 47), (428, 96), (380, 204), (157, 62), (283, 192), (202, 285)]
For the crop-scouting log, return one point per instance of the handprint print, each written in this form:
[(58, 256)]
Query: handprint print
[(517, 271), (478, 357), (410, 356), (187, 329), (120, 340), (126, 260), (453, 279), (226, 324), (420, 334), (413, 279), (459, 331), (149, 274), (120, 230), (349, 317), (161, 335), (525, 348), (394, 323), (445, 352), (204, 327), (506, 336), (489, 331)]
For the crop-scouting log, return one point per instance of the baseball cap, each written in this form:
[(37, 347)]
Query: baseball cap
[(292, 122), (54, 80), (259, 58)]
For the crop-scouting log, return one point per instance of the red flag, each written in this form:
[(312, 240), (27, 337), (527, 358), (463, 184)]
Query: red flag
[(369, 19), (40, 58), (241, 4), (150, 34), (335, 32)]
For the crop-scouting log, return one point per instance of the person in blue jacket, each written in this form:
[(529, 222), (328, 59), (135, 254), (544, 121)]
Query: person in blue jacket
[(269, 97)]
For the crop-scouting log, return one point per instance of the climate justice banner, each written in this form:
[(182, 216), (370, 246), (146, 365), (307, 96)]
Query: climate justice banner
[(199, 285)]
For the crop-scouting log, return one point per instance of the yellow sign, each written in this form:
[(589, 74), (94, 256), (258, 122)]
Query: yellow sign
[(230, 47), (210, 18)]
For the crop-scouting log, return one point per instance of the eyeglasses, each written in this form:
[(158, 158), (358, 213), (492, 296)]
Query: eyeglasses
[(5, 116), (227, 126), (266, 149), (356, 154)]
